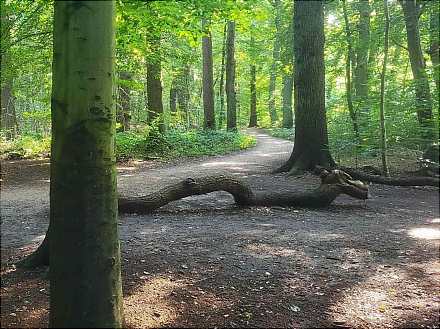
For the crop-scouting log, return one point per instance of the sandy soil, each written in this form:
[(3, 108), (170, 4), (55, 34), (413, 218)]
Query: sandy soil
[(202, 261)]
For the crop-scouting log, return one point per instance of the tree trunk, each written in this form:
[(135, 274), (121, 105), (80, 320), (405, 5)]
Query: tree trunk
[(173, 96), (253, 88), (383, 132), (361, 69), (274, 67), (333, 184), (8, 117), (348, 71), (208, 81), (411, 12), (230, 78), (154, 86), (123, 114), (434, 26), (222, 81), (183, 95), (287, 59), (85, 267), (311, 139)]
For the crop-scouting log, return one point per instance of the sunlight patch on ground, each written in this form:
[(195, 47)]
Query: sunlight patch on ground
[(427, 233), (149, 306), (388, 297), (120, 168), (435, 221), (222, 163), (38, 238)]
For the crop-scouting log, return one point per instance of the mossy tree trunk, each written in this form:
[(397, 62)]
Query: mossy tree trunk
[(311, 138), (411, 11), (231, 103), (123, 114), (85, 268), (208, 80), (154, 84)]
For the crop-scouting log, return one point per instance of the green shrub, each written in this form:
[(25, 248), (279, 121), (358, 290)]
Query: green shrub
[(25, 146)]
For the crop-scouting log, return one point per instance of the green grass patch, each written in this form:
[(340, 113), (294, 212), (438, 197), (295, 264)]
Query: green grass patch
[(283, 133)]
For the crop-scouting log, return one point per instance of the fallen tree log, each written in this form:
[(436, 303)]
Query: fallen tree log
[(333, 183), (394, 181)]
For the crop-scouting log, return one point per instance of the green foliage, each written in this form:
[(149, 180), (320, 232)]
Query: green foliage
[(25, 146), (283, 133), (178, 143)]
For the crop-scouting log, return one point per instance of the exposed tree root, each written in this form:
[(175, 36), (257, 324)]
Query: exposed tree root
[(395, 181), (333, 184)]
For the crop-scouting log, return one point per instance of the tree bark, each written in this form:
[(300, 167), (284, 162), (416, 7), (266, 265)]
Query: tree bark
[(361, 69), (222, 81), (173, 96), (85, 271), (275, 59), (253, 105), (311, 139), (411, 12), (230, 78), (154, 86), (383, 132), (208, 81), (123, 114), (348, 72)]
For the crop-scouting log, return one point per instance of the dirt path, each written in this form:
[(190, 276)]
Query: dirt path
[(202, 261)]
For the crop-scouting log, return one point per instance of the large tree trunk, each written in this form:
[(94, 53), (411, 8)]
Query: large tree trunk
[(411, 11), (85, 271), (123, 114), (230, 78), (311, 139), (361, 69), (274, 67), (208, 81), (348, 73), (253, 119)]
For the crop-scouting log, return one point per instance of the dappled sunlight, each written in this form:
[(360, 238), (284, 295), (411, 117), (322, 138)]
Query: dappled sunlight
[(435, 221), (391, 295), (149, 306), (427, 233), (263, 250)]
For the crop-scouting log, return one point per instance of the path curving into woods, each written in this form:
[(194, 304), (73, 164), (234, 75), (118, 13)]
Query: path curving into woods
[(363, 264)]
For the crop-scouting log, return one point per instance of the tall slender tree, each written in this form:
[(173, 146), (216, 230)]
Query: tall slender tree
[(123, 114), (222, 80), (311, 139), (275, 59), (287, 60), (154, 85), (208, 81), (230, 78), (85, 268), (383, 132), (434, 25), (411, 10)]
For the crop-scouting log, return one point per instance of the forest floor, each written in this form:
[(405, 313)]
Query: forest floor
[(203, 262)]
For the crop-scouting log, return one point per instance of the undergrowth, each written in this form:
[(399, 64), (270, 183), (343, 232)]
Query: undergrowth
[(142, 144)]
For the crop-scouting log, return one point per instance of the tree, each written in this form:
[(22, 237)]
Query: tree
[(253, 119), (208, 81), (222, 78), (287, 60), (311, 139), (85, 268), (383, 133), (123, 114), (434, 24), (154, 86), (275, 60), (411, 11), (230, 78), (361, 68)]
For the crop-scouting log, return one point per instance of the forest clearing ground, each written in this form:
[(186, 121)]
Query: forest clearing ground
[(203, 262)]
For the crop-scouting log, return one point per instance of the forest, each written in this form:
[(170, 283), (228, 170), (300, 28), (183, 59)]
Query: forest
[(220, 163)]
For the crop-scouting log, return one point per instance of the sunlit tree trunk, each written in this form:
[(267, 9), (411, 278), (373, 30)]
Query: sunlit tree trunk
[(123, 114), (434, 43), (361, 69), (208, 81), (85, 268), (311, 139), (173, 96), (274, 67), (348, 73), (253, 119), (383, 133), (411, 10), (230, 78)]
